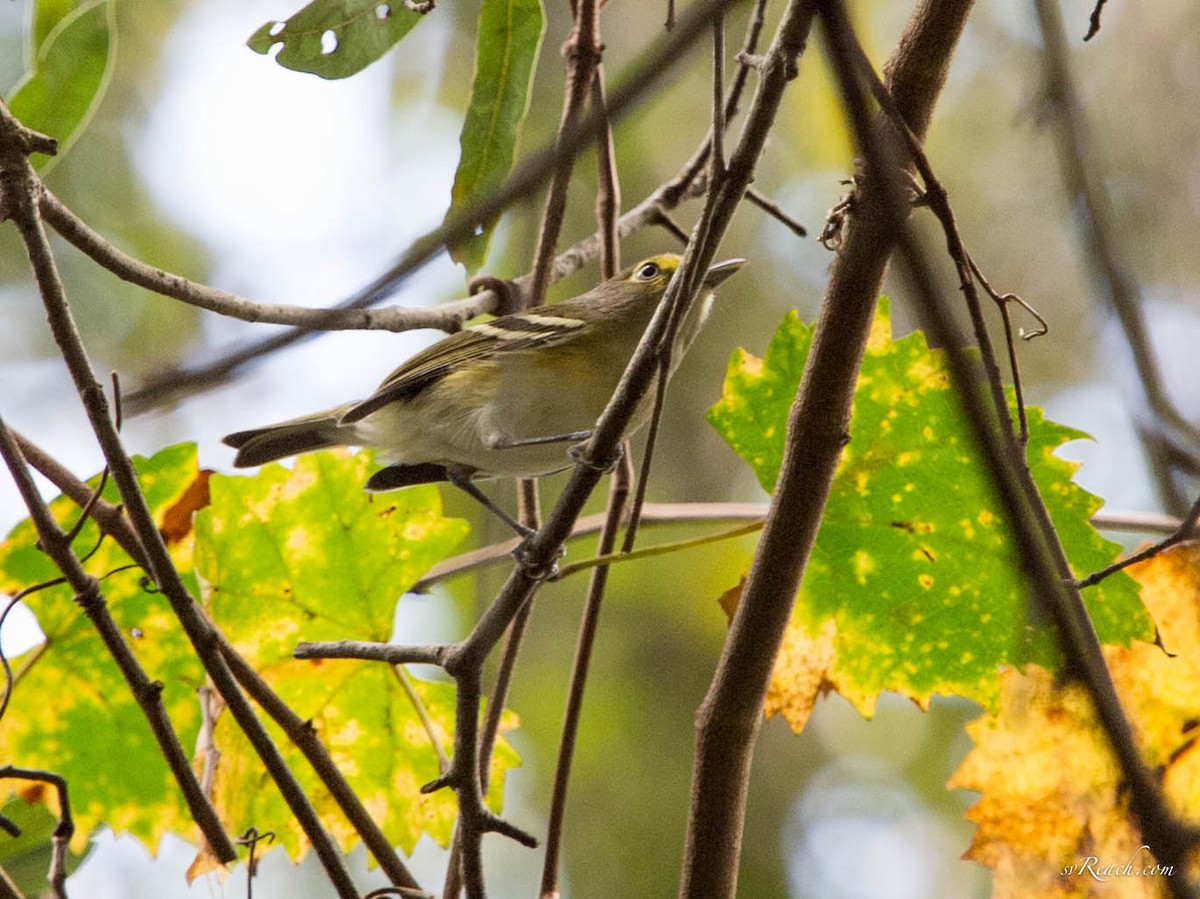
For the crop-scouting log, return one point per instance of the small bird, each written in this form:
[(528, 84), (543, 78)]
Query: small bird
[(498, 400)]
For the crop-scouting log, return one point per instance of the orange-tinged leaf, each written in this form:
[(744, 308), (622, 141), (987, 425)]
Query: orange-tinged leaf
[(1053, 816), (801, 675), (306, 554), (177, 520), (204, 862)]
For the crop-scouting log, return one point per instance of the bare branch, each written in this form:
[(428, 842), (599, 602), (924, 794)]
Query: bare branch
[(1111, 277), (446, 317), (22, 189), (145, 692)]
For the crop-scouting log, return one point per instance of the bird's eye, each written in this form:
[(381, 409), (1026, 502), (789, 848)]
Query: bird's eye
[(648, 272)]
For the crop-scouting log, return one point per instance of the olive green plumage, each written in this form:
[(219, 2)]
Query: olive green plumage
[(500, 399)]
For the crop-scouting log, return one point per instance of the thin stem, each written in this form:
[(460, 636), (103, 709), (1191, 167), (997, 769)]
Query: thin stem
[(718, 100), (588, 629), (145, 692), (773, 209), (22, 187), (527, 177), (608, 196), (583, 52), (1185, 531)]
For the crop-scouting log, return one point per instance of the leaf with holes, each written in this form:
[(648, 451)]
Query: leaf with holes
[(911, 585), (506, 52), (336, 38)]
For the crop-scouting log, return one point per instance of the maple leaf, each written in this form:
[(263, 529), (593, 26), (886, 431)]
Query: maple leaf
[(1053, 816), (911, 585)]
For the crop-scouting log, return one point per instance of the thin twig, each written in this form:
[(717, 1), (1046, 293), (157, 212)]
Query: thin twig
[(1187, 530), (1002, 303), (573, 709), (1038, 550), (22, 189), (608, 194), (1094, 20), (60, 839), (582, 51), (1112, 280), (145, 692), (414, 699), (773, 209), (718, 99), (661, 549)]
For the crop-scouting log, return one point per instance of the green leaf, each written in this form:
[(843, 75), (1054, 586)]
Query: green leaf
[(911, 585), (26, 858), (506, 53), (305, 554), (71, 711), (336, 38), (74, 46)]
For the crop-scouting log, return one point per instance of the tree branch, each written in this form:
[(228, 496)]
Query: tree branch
[(730, 717), (527, 177), (446, 317), (21, 189), (1038, 550)]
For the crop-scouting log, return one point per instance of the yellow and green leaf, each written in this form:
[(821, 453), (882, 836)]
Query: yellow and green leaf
[(911, 585)]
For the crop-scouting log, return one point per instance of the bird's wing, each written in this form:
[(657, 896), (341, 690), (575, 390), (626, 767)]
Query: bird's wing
[(542, 326)]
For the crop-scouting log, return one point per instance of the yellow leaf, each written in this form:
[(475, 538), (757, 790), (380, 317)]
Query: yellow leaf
[(1053, 815)]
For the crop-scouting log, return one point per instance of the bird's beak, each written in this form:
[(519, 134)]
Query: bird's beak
[(721, 271)]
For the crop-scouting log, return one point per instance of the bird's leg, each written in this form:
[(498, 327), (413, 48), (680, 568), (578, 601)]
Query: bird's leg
[(461, 478), (574, 436)]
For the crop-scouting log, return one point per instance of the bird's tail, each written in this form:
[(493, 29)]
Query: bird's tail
[(288, 438)]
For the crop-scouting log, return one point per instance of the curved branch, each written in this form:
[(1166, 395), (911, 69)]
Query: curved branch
[(526, 178), (21, 190), (447, 317)]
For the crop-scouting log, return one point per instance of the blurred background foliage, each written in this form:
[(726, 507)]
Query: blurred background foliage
[(209, 160)]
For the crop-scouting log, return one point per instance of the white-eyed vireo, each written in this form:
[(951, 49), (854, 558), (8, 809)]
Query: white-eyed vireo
[(502, 398)]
